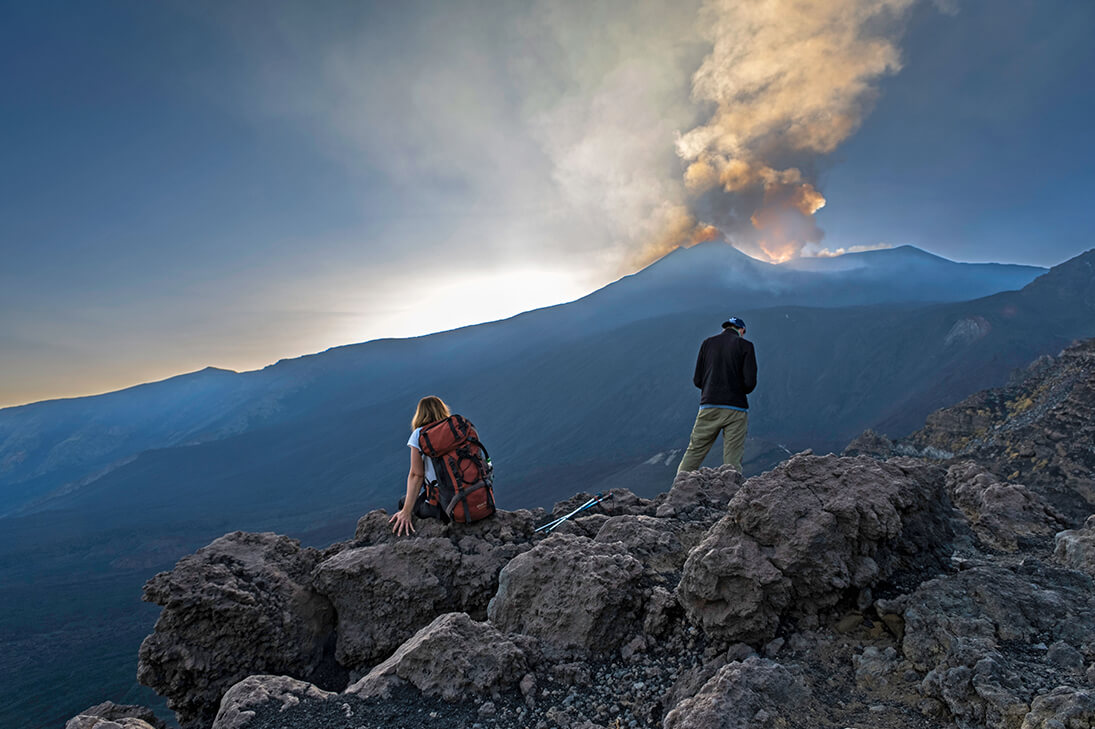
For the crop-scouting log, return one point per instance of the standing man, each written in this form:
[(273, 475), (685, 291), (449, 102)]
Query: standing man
[(726, 371)]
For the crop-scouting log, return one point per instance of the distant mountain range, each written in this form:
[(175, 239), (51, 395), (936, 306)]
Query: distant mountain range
[(101, 492)]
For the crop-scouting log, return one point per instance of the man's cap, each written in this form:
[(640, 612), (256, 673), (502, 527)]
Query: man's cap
[(734, 322)]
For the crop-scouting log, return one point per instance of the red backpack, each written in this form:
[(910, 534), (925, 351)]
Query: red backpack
[(464, 489)]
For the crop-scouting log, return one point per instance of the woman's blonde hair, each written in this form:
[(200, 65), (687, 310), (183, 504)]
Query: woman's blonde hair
[(430, 410)]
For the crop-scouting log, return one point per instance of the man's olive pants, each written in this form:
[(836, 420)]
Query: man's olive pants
[(709, 423)]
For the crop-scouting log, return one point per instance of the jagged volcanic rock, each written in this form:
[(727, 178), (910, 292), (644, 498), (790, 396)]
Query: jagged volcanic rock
[(1075, 548), (700, 495), (1062, 707), (578, 596), (870, 443), (453, 658), (109, 715), (82, 721), (1000, 514), (660, 544), (989, 640), (239, 606), (239, 706), (752, 693), (797, 538), (1038, 431), (387, 590)]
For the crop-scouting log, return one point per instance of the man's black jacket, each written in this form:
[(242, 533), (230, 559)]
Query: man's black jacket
[(726, 370)]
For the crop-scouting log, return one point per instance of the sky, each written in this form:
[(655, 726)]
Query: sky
[(188, 183)]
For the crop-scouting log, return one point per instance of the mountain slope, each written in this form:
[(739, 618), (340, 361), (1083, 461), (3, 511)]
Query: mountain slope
[(61, 445), (606, 401)]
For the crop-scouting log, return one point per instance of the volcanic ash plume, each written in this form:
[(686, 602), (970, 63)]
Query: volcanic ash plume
[(788, 80)]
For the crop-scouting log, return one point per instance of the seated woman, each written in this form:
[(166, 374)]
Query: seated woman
[(430, 410)]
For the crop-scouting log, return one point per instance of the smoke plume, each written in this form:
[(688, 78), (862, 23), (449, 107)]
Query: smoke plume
[(786, 81)]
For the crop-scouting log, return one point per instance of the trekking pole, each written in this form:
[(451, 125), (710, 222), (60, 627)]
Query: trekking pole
[(551, 525), (561, 519)]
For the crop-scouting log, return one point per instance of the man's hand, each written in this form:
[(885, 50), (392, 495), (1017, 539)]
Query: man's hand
[(403, 526)]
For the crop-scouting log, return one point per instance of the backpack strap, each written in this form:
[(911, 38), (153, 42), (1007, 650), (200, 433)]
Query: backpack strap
[(463, 496), (476, 441)]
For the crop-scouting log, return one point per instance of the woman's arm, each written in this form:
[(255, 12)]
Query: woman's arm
[(402, 518)]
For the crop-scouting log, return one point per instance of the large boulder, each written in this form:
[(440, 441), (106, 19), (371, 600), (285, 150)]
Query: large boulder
[(800, 537), (989, 641), (241, 605), (454, 658), (109, 715), (1075, 548), (242, 702), (390, 588), (745, 694), (1000, 514), (578, 596)]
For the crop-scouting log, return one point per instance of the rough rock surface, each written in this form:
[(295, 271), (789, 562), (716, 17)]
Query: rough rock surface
[(990, 640), (390, 588), (110, 712), (239, 606), (799, 537), (578, 596), (1075, 548), (83, 721), (870, 443), (454, 658), (1062, 708), (240, 704), (1038, 431), (974, 628), (1000, 514), (700, 495), (755, 692), (660, 544)]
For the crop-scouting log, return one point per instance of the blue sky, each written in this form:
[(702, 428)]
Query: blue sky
[(201, 183)]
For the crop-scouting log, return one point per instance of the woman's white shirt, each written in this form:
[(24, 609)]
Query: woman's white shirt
[(431, 475)]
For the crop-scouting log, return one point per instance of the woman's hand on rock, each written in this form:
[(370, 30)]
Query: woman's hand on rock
[(402, 524)]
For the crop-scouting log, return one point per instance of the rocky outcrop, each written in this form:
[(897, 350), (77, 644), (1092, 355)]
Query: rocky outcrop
[(999, 513), (700, 495), (454, 658), (579, 597), (390, 588), (1037, 431), (799, 538), (989, 641), (1075, 548), (720, 603), (239, 606), (755, 692), (109, 715), (242, 702)]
